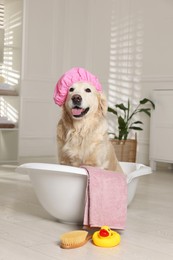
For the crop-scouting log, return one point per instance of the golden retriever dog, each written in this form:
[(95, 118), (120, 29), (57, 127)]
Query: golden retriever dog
[(82, 132)]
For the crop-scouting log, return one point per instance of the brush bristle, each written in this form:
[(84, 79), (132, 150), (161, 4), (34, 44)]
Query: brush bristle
[(73, 238)]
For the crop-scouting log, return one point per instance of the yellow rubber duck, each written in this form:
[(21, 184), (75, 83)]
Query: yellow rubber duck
[(105, 237)]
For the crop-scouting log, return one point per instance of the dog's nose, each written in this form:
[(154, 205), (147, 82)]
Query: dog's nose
[(77, 99)]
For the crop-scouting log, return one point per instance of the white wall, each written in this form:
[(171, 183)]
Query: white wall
[(142, 55), (64, 34), (157, 70), (126, 43)]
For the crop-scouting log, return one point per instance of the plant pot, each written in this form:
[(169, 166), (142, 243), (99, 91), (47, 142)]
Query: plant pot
[(125, 149)]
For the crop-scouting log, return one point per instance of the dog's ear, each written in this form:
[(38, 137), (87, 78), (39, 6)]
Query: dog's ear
[(103, 104)]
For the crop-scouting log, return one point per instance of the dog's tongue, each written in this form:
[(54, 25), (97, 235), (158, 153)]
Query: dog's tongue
[(77, 111)]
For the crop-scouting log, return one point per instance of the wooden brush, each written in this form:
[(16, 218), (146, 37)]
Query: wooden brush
[(74, 239)]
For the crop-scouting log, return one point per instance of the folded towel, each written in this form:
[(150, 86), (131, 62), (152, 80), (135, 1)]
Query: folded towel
[(7, 90), (6, 123), (106, 199)]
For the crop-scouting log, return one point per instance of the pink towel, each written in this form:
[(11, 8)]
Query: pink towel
[(106, 199)]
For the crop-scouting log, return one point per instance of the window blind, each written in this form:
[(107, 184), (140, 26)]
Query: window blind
[(1, 16), (1, 34)]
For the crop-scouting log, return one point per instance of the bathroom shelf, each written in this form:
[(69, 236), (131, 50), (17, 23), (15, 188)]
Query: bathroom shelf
[(12, 94), (10, 83), (9, 129), (8, 92)]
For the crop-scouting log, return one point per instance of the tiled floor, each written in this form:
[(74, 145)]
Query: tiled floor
[(27, 232)]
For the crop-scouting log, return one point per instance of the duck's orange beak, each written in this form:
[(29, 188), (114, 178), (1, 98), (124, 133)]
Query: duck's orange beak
[(103, 233)]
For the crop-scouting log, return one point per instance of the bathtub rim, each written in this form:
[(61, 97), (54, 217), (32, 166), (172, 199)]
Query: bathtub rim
[(53, 167), (26, 168)]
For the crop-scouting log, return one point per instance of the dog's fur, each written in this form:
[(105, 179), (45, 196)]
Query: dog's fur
[(83, 138)]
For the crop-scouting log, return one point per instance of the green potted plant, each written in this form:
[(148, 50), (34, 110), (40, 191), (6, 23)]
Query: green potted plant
[(125, 117)]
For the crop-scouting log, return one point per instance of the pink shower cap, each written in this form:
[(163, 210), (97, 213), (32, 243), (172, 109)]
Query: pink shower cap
[(69, 78)]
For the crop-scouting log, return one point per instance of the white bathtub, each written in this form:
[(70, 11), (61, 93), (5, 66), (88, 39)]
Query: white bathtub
[(61, 189)]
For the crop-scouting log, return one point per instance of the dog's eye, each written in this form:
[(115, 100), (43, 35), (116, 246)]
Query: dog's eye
[(71, 89), (88, 90)]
